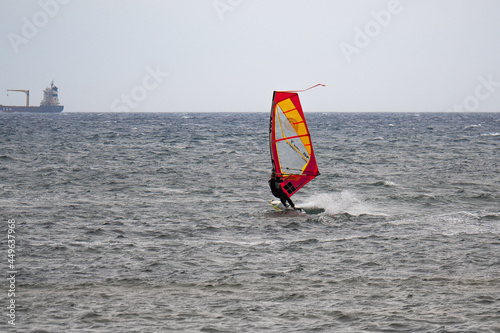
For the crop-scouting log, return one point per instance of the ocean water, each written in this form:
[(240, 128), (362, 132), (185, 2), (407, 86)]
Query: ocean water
[(162, 223)]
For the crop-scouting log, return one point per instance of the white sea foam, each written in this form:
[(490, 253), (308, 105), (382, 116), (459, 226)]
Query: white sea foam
[(345, 202), (472, 126), (491, 134)]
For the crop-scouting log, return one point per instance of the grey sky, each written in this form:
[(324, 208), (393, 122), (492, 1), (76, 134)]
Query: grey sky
[(229, 55)]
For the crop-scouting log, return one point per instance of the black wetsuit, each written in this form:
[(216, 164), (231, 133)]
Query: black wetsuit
[(274, 184)]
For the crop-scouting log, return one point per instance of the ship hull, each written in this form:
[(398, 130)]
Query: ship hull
[(33, 109)]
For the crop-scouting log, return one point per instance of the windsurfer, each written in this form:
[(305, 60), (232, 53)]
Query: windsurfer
[(275, 185)]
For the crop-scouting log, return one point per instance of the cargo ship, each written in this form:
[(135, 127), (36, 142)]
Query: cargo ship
[(49, 103)]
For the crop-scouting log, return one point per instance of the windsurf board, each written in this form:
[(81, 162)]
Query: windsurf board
[(278, 205)]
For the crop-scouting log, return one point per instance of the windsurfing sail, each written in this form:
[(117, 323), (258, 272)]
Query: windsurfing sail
[(292, 152)]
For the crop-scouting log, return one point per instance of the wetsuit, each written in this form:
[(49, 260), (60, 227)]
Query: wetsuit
[(274, 184)]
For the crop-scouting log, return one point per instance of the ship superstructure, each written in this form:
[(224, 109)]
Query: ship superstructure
[(50, 96)]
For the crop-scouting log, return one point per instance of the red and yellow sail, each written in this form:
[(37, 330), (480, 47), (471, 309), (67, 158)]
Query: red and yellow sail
[(292, 152)]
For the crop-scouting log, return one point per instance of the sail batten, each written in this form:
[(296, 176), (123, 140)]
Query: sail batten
[(292, 152), (292, 137)]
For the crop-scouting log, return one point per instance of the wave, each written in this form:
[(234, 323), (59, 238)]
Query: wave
[(491, 134), (472, 126), (462, 223), (384, 183)]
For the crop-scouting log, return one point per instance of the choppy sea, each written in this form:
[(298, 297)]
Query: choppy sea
[(163, 223)]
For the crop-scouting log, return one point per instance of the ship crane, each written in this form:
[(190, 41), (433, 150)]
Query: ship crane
[(27, 92)]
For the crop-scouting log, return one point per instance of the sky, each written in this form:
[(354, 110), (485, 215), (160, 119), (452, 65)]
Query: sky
[(230, 55)]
